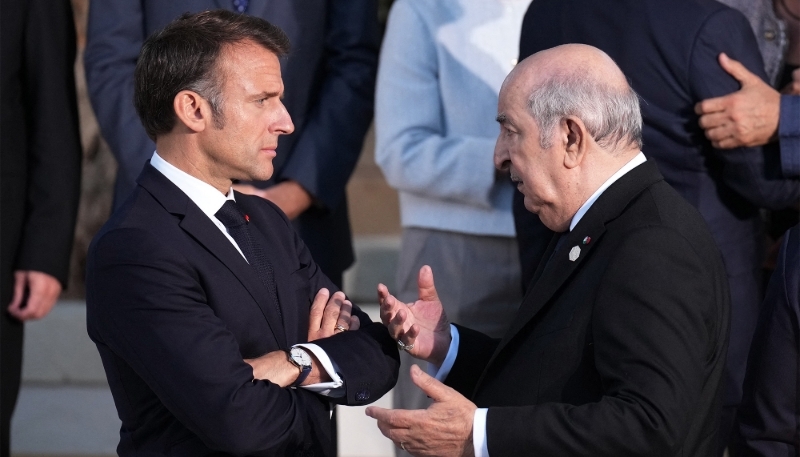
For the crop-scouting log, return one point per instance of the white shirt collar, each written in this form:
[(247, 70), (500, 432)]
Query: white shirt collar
[(204, 195), (633, 163)]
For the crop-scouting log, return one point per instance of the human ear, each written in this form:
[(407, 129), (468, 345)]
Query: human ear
[(192, 110), (574, 130)]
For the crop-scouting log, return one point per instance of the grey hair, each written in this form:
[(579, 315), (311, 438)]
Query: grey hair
[(611, 116)]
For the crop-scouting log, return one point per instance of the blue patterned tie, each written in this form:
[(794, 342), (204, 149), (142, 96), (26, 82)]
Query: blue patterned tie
[(240, 6)]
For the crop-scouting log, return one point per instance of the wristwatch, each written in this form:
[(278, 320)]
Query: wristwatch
[(300, 358)]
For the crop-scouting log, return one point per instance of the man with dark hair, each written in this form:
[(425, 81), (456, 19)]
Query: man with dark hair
[(202, 300), (330, 85), (618, 349)]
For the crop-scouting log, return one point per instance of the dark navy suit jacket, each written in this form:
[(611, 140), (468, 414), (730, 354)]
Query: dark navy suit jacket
[(669, 51), (329, 80), (174, 309), (769, 418)]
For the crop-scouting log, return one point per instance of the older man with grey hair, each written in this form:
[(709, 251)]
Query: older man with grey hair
[(618, 347)]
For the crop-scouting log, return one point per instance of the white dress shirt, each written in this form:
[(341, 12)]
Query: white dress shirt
[(479, 441), (210, 200)]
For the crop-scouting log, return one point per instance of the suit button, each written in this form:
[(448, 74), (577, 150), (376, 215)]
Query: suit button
[(362, 395), (770, 35)]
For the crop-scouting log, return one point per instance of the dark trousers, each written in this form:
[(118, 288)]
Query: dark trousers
[(11, 332)]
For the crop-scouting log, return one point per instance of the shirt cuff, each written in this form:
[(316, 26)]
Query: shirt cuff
[(333, 388), (440, 373), (480, 444), (789, 135)]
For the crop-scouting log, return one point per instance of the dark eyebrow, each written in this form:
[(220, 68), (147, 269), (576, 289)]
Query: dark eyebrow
[(266, 94)]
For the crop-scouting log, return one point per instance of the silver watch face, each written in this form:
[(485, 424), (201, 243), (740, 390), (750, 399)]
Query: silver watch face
[(301, 357)]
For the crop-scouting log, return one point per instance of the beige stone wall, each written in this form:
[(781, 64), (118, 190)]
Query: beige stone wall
[(373, 206)]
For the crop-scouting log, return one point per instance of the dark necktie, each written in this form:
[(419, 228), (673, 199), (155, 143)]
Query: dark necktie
[(562, 237), (240, 6), (237, 224)]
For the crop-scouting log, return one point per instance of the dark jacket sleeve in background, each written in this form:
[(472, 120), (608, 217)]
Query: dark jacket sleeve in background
[(41, 149), (789, 135)]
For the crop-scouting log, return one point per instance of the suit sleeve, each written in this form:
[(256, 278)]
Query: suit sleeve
[(753, 173), (325, 155), (413, 148), (54, 147), (474, 352), (789, 135), (141, 295), (115, 34), (651, 342)]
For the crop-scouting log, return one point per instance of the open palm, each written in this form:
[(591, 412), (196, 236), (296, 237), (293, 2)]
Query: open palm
[(422, 324)]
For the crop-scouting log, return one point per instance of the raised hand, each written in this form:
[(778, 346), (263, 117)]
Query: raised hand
[(423, 325)]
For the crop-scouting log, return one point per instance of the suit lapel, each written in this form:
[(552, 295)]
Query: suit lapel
[(195, 223), (553, 275)]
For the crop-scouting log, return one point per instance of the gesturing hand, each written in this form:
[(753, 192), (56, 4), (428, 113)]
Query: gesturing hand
[(444, 429), (330, 315), (422, 324)]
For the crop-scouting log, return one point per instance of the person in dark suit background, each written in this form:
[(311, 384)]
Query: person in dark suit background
[(196, 293), (669, 52), (330, 83), (618, 348), (41, 166), (768, 418)]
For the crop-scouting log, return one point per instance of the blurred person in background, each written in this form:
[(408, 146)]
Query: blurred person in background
[(41, 165), (441, 68), (758, 114), (330, 82)]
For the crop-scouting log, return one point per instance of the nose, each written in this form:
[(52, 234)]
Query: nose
[(502, 160), (283, 124)]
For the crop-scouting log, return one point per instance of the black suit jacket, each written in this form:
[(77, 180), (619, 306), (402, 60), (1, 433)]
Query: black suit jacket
[(39, 138), (669, 52), (174, 309), (329, 80), (619, 352)]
